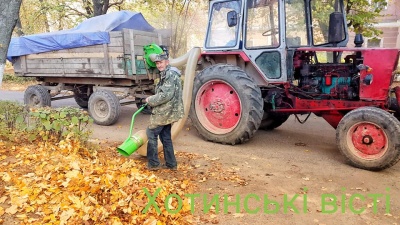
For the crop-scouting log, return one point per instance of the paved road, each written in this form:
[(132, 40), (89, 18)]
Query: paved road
[(19, 96), (279, 162), (12, 95)]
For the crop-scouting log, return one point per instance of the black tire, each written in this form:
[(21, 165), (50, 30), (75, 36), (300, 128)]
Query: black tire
[(271, 121), (81, 96), (104, 107), (395, 107), (369, 138), (227, 106), (37, 96)]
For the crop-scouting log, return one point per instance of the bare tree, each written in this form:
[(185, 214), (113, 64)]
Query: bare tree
[(101, 7), (18, 28), (43, 10), (178, 40), (9, 11), (95, 7)]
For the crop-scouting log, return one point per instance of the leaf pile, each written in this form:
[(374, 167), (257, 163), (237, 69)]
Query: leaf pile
[(65, 183)]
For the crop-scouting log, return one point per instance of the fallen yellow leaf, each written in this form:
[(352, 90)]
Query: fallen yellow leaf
[(64, 217), (6, 177), (3, 199), (21, 216), (12, 210)]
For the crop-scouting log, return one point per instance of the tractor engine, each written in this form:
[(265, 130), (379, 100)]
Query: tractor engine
[(327, 80)]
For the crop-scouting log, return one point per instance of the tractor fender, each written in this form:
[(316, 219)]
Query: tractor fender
[(235, 58)]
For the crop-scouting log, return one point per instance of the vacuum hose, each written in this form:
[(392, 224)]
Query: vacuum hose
[(190, 59)]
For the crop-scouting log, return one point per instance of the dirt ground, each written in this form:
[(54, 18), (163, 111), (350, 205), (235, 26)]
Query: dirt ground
[(295, 166), (275, 166)]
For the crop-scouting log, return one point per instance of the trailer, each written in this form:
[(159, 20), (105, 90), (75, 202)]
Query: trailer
[(100, 77)]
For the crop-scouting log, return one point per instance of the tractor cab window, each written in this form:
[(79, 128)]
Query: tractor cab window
[(223, 27), (328, 23), (296, 27), (262, 24)]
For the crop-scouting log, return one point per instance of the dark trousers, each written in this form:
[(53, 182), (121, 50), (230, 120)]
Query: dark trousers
[(164, 132)]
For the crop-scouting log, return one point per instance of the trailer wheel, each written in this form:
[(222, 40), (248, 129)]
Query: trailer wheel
[(104, 107), (272, 121), (226, 106), (81, 96), (37, 96), (369, 138)]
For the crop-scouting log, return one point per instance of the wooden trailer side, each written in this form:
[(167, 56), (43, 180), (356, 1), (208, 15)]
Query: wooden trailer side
[(117, 60)]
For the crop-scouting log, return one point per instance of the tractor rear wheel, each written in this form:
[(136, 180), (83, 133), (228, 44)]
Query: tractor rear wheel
[(104, 107), (369, 138), (227, 106)]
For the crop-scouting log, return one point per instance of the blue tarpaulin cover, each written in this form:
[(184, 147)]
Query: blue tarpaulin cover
[(92, 31)]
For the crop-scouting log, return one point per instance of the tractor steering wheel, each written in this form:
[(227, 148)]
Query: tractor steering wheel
[(269, 32)]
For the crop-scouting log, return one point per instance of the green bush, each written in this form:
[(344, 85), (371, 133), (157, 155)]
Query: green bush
[(47, 124), (12, 117), (59, 123)]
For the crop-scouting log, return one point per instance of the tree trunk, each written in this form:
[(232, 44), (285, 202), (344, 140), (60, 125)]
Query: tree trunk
[(18, 29), (44, 9), (9, 13), (100, 7)]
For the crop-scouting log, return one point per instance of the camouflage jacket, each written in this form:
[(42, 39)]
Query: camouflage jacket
[(167, 102)]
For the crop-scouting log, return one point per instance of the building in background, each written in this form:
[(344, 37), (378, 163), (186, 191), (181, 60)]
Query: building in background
[(389, 24)]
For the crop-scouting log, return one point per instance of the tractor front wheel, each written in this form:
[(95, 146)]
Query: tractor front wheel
[(369, 138), (227, 106)]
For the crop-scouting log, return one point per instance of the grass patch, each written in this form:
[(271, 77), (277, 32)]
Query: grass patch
[(16, 83), (12, 78)]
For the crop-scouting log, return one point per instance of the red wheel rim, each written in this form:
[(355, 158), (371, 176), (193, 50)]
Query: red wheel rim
[(367, 140), (218, 107)]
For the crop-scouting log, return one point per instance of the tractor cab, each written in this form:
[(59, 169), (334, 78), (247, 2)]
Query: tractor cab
[(268, 31)]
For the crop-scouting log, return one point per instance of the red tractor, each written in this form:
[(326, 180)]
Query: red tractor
[(265, 60)]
